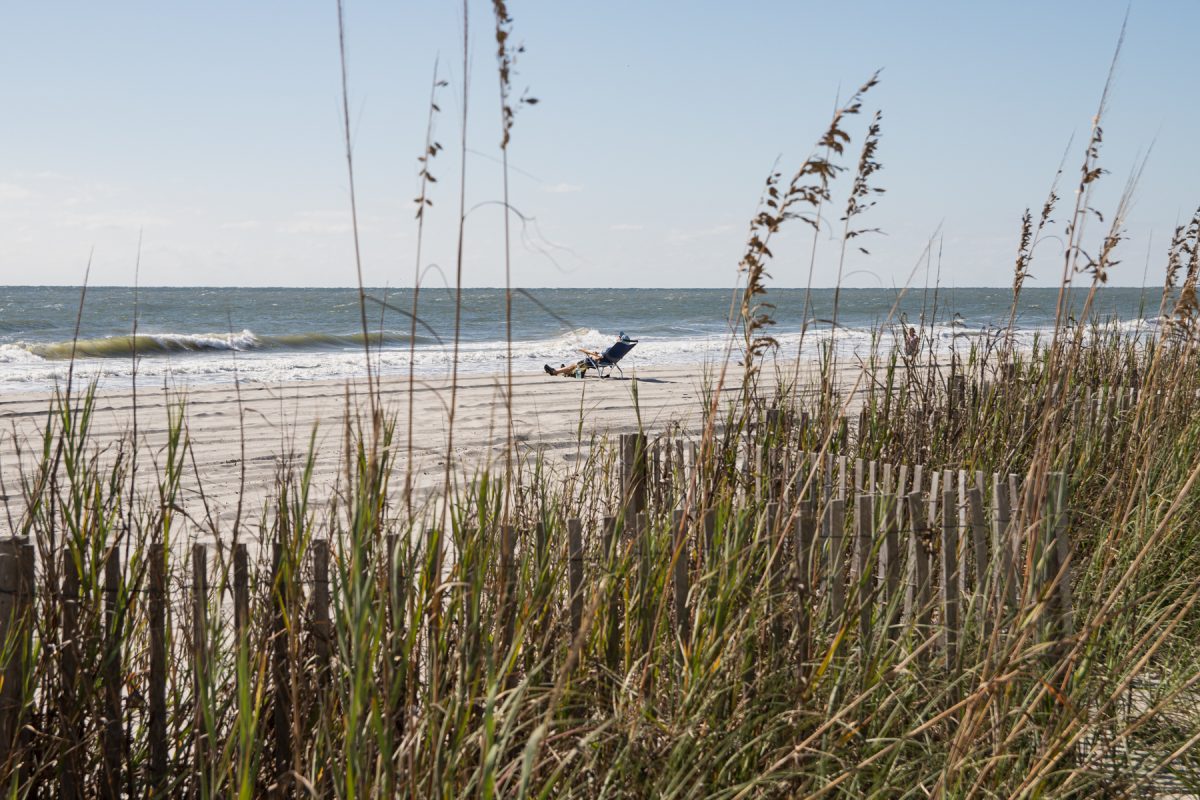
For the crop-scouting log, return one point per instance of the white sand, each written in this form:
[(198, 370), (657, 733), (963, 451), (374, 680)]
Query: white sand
[(552, 414)]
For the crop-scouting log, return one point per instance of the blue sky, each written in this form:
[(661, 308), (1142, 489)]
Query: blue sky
[(215, 129)]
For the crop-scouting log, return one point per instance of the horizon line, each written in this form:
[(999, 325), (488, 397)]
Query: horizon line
[(552, 288)]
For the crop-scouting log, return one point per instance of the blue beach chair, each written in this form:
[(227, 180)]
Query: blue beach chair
[(600, 362), (613, 354)]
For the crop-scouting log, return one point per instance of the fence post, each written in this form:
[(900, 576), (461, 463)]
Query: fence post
[(1062, 547), (827, 488), (16, 624), (26, 601), (655, 469), (835, 535), (777, 569), (1016, 533), (1109, 416), (864, 525), (322, 632), (508, 589), (806, 538), (1002, 541), (679, 479), (200, 663), (710, 530), (918, 603), (890, 566), (746, 471), (434, 558), (70, 723), (241, 591), (320, 606), (10, 631), (1057, 559), (612, 648), (935, 489), (281, 666), (979, 540), (951, 596), (575, 574), (541, 592), (773, 446), (241, 610), (112, 746), (158, 668), (645, 609), (397, 596), (963, 527), (681, 557), (16, 620), (633, 474)]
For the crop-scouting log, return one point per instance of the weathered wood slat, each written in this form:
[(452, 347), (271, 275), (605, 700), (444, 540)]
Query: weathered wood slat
[(710, 530), (575, 574), (806, 539), (70, 719), (683, 619), (612, 650), (506, 624), (1016, 534), (241, 590), (918, 604), (112, 744), (397, 625), (201, 765), (864, 524), (633, 473), (158, 668), (1002, 541), (10, 690), (890, 562), (322, 630), (835, 561), (281, 676), (951, 593), (26, 602), (979, 534)]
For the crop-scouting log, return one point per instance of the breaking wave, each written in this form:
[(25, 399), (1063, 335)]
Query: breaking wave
[(152, 344)]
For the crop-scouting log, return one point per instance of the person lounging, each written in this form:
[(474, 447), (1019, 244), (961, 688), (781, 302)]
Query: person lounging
[(597, 361)]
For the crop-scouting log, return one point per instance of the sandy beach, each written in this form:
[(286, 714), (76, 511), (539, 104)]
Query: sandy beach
[(549, 414)]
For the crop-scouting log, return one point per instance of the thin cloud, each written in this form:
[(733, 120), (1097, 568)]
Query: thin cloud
[(118, 220), (244, 225), (626, 226), (562, 188), (679, 237), (322, 223), (11, 191)]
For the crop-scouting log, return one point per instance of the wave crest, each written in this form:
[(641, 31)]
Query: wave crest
[(152, 344)]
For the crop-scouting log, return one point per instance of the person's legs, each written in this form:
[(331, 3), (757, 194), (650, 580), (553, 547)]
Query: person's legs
[(578, 367)]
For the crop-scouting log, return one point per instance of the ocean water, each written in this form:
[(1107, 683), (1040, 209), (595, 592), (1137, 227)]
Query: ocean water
[(192, 336)]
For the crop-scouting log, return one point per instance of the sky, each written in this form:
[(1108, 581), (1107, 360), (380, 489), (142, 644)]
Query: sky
[(213, 131)]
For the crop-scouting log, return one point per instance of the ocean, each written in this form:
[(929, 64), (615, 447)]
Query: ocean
[(194, 336)]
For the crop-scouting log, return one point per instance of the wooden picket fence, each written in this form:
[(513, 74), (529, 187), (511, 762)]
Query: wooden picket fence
[(863, 551), (921, 545)]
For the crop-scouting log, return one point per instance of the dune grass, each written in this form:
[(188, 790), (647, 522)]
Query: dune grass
[(385, 643)]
